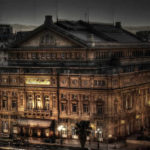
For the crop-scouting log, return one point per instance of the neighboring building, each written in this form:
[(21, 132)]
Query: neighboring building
[(6, 35), (68, 71), (144, 35)]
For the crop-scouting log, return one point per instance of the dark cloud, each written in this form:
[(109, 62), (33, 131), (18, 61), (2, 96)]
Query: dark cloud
[(130, 12)]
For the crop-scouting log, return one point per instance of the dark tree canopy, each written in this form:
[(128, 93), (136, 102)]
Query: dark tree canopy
[(83, 129)]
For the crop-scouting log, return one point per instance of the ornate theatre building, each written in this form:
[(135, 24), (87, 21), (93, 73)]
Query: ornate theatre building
[(64, 72)]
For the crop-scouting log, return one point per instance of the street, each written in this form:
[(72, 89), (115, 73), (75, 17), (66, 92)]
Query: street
[(71, 145)]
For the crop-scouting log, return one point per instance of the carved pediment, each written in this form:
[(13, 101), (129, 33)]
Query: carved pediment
[(47, 38)]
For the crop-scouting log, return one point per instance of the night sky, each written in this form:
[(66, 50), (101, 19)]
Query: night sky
[(129, 12)]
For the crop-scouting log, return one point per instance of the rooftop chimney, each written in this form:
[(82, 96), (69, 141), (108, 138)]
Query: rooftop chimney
[(48, 20), (118, 25)]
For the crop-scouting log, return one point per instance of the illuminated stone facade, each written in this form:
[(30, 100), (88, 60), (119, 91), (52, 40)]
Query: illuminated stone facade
[(108, 84)]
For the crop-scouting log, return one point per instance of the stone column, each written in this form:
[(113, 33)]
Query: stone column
[(42, 99), (30, 131), (69, 111), (25, 101), (9, 101), (79, 105)]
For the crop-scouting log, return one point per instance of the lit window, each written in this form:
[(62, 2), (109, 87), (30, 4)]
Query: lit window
[(46, 98), (74, 96), (99, 83), (38, 102), (29, 102), (4, 80), (5, 126)]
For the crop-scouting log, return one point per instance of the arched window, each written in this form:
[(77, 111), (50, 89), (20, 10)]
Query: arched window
[(5, 126), (100, 107), (128, 102), (29, 102), (63, 106), (4, 102), (14, 100), (38, 102), (74, 106), (46, 102), (85, 106)]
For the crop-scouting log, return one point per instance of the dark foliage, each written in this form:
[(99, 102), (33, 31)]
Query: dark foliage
[(83, 129)]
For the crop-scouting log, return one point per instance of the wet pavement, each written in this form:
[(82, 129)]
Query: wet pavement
[(37, 144), (129, 147)]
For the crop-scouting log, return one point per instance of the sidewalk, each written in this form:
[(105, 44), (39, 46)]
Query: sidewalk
[(133, 140), (76, 143), (94, 145)]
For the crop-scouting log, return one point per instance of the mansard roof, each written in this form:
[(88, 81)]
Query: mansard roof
[(100, 32), (83, 34)]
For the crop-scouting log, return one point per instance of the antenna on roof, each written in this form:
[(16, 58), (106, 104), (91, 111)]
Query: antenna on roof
[(88, 12), (86, 15), (114, 19), (113, 13), (56, 10)]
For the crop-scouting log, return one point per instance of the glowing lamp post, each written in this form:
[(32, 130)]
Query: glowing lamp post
[(60, 129), (98, 131)]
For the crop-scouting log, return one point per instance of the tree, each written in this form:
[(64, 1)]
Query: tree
[(83, 129)]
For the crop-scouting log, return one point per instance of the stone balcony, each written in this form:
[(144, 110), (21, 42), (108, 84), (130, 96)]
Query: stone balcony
[(40, 114)]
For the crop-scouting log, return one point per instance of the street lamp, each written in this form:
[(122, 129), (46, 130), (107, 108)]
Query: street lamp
[(60, 129), (98, 131)]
